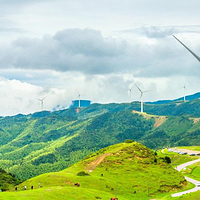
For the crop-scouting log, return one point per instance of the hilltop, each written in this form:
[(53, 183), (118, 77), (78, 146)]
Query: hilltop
[(130, 170), (51, 141)]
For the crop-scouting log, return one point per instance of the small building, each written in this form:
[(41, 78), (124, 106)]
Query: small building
[(83, 103)]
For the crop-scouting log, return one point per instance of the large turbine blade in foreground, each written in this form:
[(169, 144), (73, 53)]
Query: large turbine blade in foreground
[(197, 57)]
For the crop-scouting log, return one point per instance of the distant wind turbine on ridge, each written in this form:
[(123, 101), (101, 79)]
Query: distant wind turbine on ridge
[(79, 99), (141, 96), (197, 57), (130, 91), (184, 88), (42, 102)]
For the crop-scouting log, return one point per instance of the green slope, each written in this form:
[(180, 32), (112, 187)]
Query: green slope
[(7, 180), (45, 142), (128, 169)]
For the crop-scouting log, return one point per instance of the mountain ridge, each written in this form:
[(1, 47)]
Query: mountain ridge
[(187, 98), (51, 141)]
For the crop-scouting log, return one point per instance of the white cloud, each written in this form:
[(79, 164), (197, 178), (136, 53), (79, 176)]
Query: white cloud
[(21, 97), (89, 52)]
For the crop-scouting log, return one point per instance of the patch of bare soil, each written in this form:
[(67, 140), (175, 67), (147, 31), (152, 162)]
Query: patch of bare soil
[(195, 120), (96, 162), (159, 121), (145, 115)]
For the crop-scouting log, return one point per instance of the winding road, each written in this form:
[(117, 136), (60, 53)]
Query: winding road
[(195, 182)]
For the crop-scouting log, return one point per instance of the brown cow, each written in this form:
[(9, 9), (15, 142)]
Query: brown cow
[(77, 184)]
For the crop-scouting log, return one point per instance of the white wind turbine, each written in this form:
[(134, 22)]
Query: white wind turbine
[(197, 57), (79, 99), (42, 102), (130, 91), (184, 87), (141, 96)]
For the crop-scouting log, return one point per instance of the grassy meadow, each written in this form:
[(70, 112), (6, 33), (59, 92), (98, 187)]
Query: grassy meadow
[(128, 170)]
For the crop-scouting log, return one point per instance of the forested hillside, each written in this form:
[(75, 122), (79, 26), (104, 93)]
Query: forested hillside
[(7, 180), (51, 141)]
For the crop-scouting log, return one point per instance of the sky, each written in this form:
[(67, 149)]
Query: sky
[(98, 49)]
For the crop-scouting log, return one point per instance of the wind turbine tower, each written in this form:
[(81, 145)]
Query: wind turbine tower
[(141, 96), (184, 92), (42, 102), (79, 100)]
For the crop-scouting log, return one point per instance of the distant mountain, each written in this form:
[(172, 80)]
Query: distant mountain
[(189, 97)]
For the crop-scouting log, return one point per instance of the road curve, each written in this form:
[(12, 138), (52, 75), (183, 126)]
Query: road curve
[(195, 182)]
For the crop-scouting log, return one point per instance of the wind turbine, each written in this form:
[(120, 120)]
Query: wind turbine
[(141, 96), (79, 99), (184, 88), (130, 91), (197, 57), (42, 102)]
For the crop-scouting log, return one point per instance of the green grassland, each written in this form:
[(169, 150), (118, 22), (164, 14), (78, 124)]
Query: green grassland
[(130, 170), (176, 159), (192, 171), (194, 148)]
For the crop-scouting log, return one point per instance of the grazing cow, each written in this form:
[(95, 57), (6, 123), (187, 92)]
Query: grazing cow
[(77, 184)]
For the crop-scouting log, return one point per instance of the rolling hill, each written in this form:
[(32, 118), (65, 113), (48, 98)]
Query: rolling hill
[(128, 170)]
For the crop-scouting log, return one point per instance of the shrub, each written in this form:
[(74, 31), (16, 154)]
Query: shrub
[(129, 141), (82, 173), (168, 160)]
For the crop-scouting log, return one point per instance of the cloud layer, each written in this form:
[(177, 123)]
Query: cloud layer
[(54, 48), (89, 52)]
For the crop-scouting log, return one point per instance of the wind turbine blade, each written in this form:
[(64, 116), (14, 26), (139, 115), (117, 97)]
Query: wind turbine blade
[(182, 87), (78, 93), (43, 98), (147, 91), (138, 88), (197, 57)]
